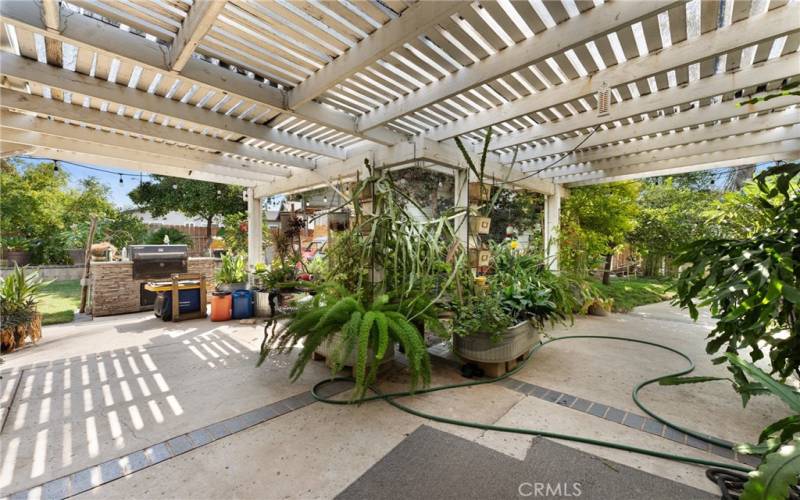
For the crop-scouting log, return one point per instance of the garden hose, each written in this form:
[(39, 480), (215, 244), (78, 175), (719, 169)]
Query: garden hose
[(392, 397)]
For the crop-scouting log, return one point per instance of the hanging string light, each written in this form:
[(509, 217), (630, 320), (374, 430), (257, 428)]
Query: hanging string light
[(120, 179)]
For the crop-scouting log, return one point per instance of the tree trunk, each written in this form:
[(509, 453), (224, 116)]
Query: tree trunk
[(607, 269), (87, 265), (209, 223)]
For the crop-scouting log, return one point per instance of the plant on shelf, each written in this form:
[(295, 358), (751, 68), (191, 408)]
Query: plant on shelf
[(20, 292), (232, 274), (363, 328)]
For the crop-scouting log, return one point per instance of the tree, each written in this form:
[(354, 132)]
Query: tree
[(192, 198), (39, 207), (670, 217), (595, 222)]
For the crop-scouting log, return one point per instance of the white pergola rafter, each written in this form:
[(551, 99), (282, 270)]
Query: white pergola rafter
[(21, 129), (772, 151), (770, 25), (133, 163), (199, 118), (413, 22), (84, 32), (571, 33), (721, 135), (662, 124), (198, 21), (10, 99), (776, 69)]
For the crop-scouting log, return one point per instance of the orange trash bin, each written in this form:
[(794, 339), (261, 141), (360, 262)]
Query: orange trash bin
[(221, 306)]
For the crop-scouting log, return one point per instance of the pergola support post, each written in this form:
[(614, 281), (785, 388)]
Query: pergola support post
[(461, 200), (255, 235), (552, 222)]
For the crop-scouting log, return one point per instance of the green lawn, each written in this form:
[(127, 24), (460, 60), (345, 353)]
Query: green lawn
[(60, 301), (631, 292)]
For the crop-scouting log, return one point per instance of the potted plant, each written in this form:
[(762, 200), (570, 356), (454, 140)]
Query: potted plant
[(352, 331), (232, 274), (500, 319), (20, 292)]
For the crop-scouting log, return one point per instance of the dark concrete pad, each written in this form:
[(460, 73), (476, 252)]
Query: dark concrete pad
[(434, 464)]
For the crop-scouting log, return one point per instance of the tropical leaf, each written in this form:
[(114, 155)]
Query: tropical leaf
[(789, 395), (777, 473)]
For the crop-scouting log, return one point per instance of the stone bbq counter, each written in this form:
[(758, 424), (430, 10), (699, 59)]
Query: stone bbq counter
[(114, 291)]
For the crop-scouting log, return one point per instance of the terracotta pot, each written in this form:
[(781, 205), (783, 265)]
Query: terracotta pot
[(597, 310), (480, 225), (16, 336), (516, 341)]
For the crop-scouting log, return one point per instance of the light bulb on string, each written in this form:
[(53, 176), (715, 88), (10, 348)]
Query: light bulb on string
[(174, 186), (120, 178), (55, 166)]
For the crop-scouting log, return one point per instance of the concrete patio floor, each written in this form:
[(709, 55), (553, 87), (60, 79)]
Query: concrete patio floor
[(93, 392)]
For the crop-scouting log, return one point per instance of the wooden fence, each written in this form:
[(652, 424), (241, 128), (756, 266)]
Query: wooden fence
[(198, 246)]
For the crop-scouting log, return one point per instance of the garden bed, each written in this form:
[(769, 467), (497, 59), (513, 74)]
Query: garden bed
[(633, 292)]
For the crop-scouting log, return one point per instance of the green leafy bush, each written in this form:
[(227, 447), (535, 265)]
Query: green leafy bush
[(232, 270), (752, 285), (176, 237)]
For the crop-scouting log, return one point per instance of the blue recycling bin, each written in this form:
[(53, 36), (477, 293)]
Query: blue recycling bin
[(242, 304), (188, 301)]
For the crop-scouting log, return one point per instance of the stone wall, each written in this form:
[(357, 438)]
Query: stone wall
[(114, 291), (47, 273)]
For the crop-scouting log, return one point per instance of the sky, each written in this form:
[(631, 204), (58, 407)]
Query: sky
[(119, 192)]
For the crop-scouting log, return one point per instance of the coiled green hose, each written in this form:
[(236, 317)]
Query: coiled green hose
[(392, 397)]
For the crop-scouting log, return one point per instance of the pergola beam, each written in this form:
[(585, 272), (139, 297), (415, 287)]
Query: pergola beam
[(765, 152), (140, 164), (88, 116), (752, 31), (196, 24), (416, 151), (39, 132), (675, 121), (32, 71), (90, 34), (721, 135), (574, 32), (413, 22), (776, 69)]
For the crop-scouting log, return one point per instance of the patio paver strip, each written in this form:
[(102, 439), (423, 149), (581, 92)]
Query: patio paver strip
[(623, 417), (116, 468)]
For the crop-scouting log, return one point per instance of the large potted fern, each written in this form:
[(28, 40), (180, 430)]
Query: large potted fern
[(352, 331)]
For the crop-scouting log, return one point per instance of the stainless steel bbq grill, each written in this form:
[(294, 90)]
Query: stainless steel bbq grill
[(158, 261)]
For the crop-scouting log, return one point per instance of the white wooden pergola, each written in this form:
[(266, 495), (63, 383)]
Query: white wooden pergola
[(280, 96)]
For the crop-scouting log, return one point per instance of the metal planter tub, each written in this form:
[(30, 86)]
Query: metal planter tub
[(329, 346), (515, 342)]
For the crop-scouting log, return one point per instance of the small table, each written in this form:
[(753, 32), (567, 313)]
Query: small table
[(177, 283)]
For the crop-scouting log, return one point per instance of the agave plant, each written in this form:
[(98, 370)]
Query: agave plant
[(366, 329)]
